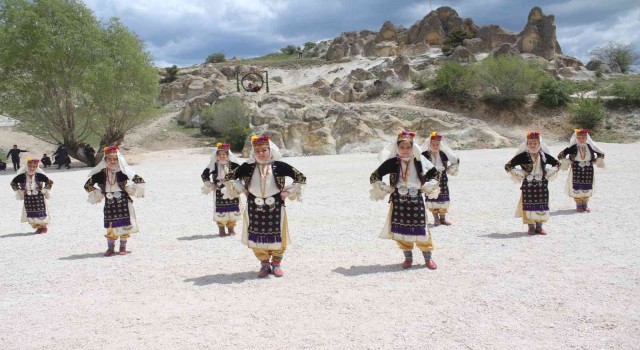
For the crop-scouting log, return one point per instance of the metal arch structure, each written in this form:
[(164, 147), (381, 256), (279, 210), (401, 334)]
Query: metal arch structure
[(264, 82)]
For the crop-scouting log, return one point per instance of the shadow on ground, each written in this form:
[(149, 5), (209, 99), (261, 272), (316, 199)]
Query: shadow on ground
[(83, 256), (223, 278), (21, 234), (564, 212), (498, 235), (370, 269), (195, 237)]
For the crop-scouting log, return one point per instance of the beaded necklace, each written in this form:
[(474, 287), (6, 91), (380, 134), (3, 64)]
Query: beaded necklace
[(264, 174), (582, 149), (404, 172)]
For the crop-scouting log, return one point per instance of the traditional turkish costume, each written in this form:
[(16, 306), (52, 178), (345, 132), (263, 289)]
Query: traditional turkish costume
[(117, 186), (534, 176), (582, 157), (409, 179), (265, 218), (33, 188), (226, 212), (446, 163)]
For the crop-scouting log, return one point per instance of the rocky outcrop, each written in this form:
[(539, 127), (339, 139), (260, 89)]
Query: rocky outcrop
[(474, 45), (505, 49), (187, 87), (413, 49), (493, 36), (306, 125), (598, 65), (561, 61), (539, 35), (462, 55), (349, 44), (435, 26), (388, 32)]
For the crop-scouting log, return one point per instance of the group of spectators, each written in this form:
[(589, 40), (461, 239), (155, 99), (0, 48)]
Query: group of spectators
[(60, 157)]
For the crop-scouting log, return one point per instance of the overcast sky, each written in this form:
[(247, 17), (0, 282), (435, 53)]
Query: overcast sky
[(185, 32)]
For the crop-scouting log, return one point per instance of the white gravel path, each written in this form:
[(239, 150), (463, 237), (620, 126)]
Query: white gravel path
[(185, 288)]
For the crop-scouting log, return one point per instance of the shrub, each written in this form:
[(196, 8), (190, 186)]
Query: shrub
[(228, 120), (453, 40), (277, 78), (290, 50), (171, 74), (553, 93), (453, 81), (626, 90), (420, 81), (587, 112), (397, 91), (309, 45), (507, 79), (216, 57), (599, 73)]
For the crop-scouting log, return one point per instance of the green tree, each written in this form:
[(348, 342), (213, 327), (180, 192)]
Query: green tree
[(67, 77), (228, 120), (506, 80), (309, 45), (171, 74), (290, 50), (453, 40), (216, 57), (615, 53), (123, 86)]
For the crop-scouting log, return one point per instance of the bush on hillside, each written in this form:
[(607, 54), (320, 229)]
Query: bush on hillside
[(216, 57), (453, 40), (588, 113), (453, 82), (290, 50), (553, 93), (397, 91), (171, 74), (309, 45), (420, 81), (626, 91), (228, 120), (506, 80)]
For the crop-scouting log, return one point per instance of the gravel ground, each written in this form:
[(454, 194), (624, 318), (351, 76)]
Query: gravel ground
[(185, 287)]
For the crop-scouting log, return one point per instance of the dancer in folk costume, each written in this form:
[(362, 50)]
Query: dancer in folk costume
[(117, 182), (582, 153), (226, 211), (410, 176), (262, 179), (532, 157), (445, 162), (33, 186)]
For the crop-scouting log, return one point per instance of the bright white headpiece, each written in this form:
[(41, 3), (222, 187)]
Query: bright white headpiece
[(124, 167)]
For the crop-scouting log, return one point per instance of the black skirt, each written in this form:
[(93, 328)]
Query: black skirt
[(116, 211), (265, 220), (408, 214)]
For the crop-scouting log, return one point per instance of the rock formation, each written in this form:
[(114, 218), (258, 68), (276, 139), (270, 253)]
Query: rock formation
[(539, 35)]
